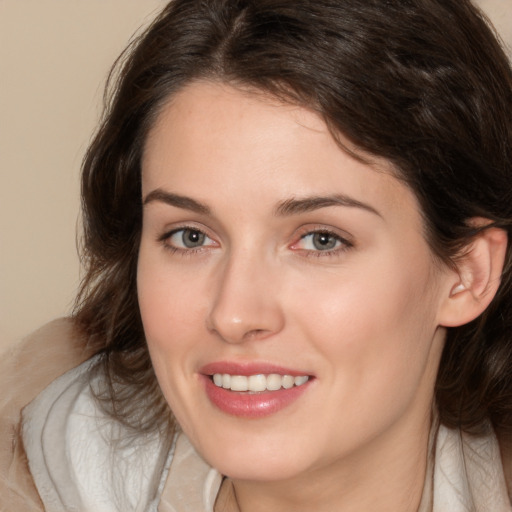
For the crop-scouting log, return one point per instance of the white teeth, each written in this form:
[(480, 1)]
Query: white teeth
[(289, 381), (239, 383), (274, 382), (257, 383)]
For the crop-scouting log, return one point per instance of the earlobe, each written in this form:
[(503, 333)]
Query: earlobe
[(474, 285)]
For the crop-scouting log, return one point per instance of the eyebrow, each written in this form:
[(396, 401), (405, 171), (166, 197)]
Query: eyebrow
[(187, 203), (307, 204), (288, 207)]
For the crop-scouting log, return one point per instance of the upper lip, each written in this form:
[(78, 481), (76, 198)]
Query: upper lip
[(248, 368)]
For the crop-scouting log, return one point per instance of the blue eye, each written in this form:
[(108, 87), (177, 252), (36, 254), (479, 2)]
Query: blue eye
[(187, 238), (324, 241), (320, 241)]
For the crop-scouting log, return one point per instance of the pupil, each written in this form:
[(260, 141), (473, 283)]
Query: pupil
[(192, 238), (324, 241)]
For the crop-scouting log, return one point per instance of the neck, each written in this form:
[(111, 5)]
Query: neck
[(389, 476)]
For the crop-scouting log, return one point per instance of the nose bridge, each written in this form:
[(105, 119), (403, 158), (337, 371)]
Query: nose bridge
[(245, 304)]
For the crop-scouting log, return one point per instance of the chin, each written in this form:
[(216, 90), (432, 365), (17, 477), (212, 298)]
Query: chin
[(255, 459), (262, 470)]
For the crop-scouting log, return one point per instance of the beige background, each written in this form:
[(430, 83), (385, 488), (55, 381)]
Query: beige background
[(54, 57)]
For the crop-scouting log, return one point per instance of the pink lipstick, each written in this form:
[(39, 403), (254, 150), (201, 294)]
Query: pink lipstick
[(252, 390)]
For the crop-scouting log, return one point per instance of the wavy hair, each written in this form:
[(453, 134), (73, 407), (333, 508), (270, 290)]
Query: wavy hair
[(424, 84)]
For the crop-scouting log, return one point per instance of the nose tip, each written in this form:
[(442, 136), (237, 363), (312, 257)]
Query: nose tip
[(244, 326), (245, 307)]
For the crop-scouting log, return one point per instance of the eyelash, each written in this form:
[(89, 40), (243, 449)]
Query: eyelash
[(344, 243)]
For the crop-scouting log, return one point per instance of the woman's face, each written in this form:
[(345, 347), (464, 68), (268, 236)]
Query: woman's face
[(267, 250)]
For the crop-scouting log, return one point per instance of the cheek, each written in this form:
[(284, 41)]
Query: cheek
[(168, 312), (155, 303), (375, 340), (376, 327), (168, 302)]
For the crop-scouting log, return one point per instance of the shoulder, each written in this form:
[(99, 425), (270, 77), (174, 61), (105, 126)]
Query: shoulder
[(83, 459), (505, 443), (28, 367), (67, 437), (470, 472), (25, 370)]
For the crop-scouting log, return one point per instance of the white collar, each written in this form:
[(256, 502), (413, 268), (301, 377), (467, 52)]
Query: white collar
[(79, 457)]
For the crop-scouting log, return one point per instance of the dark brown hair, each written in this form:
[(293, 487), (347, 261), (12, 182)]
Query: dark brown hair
[(421, 83)]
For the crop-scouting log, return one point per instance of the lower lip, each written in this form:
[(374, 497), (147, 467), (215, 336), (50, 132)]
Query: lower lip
[(252, 405)]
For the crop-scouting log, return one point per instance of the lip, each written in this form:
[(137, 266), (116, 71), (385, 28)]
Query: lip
[(246, 404), (248, 368)]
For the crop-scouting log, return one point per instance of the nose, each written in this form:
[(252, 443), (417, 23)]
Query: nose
[(245, 303)]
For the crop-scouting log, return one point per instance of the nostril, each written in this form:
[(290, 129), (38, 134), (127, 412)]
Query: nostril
[(256, 333)]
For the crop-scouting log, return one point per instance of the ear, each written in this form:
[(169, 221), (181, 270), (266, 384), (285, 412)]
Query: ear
[(471, 288)]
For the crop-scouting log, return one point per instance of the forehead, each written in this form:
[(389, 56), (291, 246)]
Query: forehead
[(213, 109), (212, 139)]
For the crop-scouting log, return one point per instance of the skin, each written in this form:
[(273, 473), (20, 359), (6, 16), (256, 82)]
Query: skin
[(363, 319)]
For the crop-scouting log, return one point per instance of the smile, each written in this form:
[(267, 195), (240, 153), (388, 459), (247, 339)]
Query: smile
[(257, 383)]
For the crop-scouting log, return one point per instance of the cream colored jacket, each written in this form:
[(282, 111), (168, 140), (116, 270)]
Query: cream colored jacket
[(78, 461)]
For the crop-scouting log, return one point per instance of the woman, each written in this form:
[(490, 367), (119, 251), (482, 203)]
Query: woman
[(296, 218)]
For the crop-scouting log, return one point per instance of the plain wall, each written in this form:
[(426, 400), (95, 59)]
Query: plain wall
[(54, 58)]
